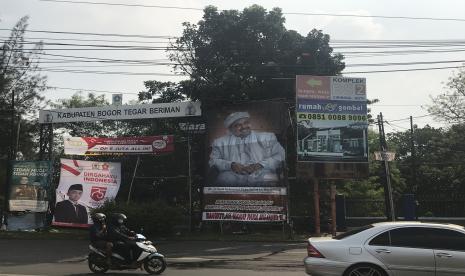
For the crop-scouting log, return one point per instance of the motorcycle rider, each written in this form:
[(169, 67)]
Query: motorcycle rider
[(122, 237), (99, 235)]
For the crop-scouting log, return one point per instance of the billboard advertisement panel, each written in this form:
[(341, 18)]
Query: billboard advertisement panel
[(29, 188), (331, 119), (246, 179), (121, 145), (84, 185)]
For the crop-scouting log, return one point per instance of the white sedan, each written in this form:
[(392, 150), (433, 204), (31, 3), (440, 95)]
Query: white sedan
[(390, 249)]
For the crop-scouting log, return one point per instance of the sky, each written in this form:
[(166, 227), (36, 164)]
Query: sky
[(401, 94)]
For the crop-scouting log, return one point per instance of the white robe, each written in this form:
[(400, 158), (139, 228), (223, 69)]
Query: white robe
[(258, 147)]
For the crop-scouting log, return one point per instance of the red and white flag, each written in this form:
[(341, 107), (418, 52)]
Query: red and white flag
[(84, 185)]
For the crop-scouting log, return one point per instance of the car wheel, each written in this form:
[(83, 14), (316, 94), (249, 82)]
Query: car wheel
[(365, 270)]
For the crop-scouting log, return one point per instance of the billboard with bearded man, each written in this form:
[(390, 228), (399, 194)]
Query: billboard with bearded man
[(246, 180)]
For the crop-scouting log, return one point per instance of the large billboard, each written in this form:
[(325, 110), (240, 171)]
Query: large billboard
[(120, 112), (120, 145), (331, 119), (29, 186), (246, 179), (84, 185)]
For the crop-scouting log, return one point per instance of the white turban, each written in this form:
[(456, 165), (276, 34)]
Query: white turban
[(234, 117)]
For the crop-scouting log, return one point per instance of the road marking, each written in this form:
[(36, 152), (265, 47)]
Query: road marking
[(222, 249), (296, 252), (189, 259), (20, 274)]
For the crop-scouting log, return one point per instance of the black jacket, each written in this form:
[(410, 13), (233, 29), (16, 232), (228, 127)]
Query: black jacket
[(65, 212), (119, 233), (97, 233)]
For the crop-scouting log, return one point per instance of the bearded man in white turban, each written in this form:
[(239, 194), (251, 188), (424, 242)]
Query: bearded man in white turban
[(245, 157)]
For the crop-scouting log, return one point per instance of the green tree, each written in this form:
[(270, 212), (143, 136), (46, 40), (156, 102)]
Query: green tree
[(234, 56), (450, 106), (94, 128), (372, 187), (20, 86), (437, 167)]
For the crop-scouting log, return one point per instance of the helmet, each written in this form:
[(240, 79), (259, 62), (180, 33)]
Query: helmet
[(99, 217), (119, 218)]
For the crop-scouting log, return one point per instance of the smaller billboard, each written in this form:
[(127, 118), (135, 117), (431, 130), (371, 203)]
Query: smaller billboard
[(253, 204), (121, 145), (29, 186), (331, 119), (84, 185)]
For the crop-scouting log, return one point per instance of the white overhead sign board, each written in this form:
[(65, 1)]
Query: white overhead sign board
[(123, 112)]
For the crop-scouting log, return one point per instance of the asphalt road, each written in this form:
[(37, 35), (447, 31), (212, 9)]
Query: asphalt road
[(68, 257)]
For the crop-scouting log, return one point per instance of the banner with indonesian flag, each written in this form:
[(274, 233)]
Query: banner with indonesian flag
[(84, 185), (121, 145)]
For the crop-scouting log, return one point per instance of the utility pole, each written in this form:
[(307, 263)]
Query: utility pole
[(390, 212), (413, 184)]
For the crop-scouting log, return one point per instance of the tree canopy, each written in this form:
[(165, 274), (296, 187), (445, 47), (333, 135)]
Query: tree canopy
[(235, 55), (20, 86), (450, 106)]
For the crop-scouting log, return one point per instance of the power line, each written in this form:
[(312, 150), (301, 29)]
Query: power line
[(94, 34), (394, 126), (274, 78), (96, 46), (403, 70), (289, 13), (112, 73), (92, 90), (124, 5), (361, 42), (408, 118), (89, 40)]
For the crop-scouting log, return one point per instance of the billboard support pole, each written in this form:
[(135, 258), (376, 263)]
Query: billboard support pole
[(189, 179), (133, 177), (316, 202), (333, 208)]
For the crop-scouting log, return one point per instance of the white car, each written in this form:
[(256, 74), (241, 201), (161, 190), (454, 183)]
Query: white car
[(390, 249)]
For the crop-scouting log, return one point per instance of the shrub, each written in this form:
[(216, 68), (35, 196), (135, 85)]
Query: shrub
[(155, 218)]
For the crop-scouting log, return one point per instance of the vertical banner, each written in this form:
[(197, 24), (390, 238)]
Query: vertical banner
[(84, 185), (245, 178), (331, 119), (29, 189)]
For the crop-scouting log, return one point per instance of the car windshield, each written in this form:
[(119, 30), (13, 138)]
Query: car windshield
[(352, 232)]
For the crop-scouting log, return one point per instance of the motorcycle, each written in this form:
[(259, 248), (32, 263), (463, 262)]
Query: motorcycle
[(149, 258)]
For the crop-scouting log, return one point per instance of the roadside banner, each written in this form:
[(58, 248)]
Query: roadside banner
[(253, 204), (121, 145), (246, 179), (30, 183), (84, 185), (331, 119), (120, 112), (385, 155)]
